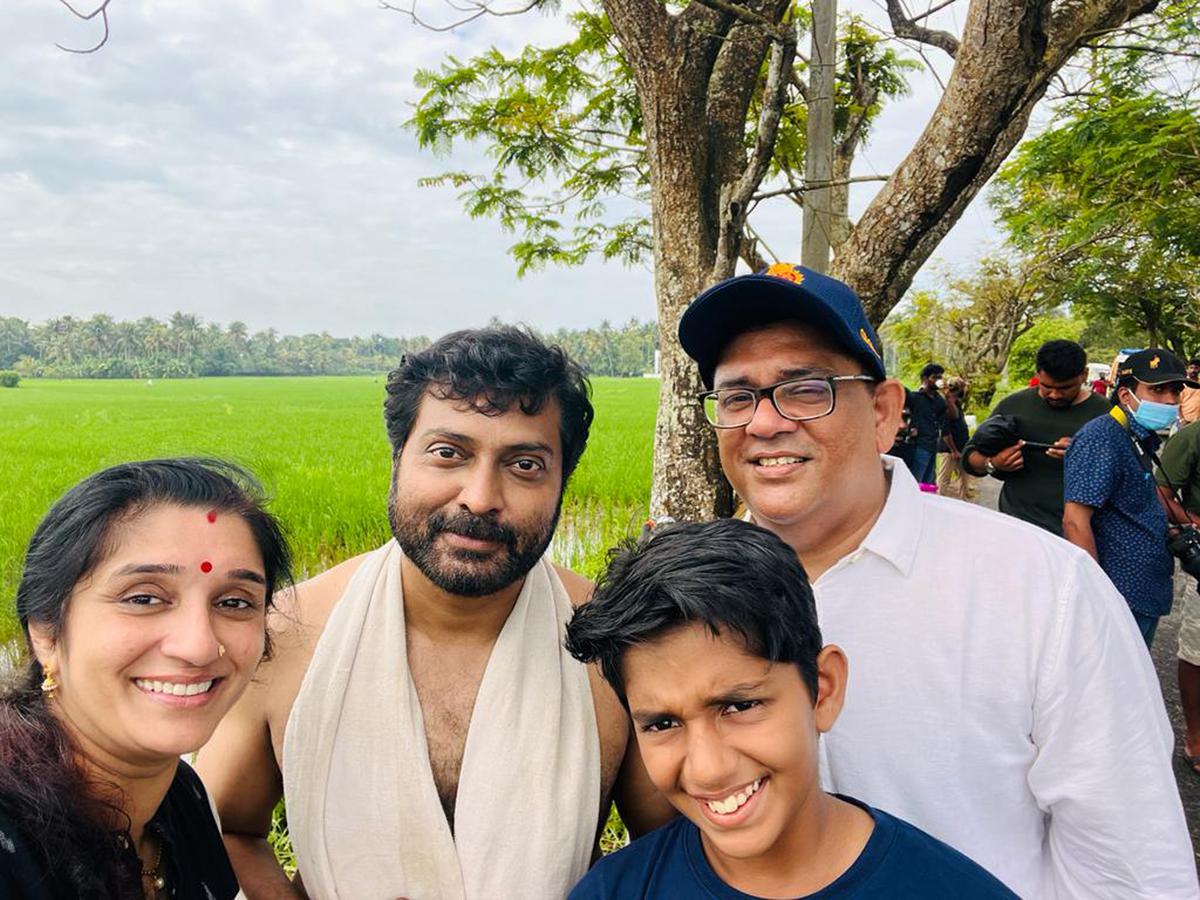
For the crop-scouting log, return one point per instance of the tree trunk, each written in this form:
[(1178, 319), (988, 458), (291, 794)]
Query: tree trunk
[(1009, 51), (696, 73)]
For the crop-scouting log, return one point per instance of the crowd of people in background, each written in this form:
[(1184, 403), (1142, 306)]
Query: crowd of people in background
[(1112, 465)]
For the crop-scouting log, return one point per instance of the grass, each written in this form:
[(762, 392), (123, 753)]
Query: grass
[(318, 444)]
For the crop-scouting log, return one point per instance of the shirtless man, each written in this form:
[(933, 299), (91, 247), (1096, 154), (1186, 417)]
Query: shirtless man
[(486, 427)]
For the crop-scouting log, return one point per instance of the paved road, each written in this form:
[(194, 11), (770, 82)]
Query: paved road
[(1164, 662)]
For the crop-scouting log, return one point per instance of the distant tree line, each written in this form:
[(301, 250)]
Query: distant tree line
[(186, 347)]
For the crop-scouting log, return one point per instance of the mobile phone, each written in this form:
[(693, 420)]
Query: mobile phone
[(1037, 445)]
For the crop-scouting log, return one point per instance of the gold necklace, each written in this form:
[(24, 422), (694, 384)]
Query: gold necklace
[(154, 876)]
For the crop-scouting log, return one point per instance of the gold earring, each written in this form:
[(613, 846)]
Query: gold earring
[(49, 684), (220, 649)]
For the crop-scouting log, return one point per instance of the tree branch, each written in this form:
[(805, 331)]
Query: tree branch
[(749, 16), (929, 12), (904, 27), (1145, 48), (800, 189), (736, 197), (475, 9), (102, 12)]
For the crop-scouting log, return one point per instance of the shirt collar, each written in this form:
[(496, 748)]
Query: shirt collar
[(896, 534)]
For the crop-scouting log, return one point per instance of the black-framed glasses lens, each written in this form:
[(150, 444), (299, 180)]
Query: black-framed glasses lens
[(801, 399)]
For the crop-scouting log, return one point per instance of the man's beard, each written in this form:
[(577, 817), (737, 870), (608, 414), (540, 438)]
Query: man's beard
[(463, 572)]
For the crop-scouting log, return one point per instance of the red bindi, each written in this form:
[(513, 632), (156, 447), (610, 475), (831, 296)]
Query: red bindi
[(212, 515), (206, 567)]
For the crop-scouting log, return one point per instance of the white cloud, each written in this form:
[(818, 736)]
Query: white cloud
[(246, 160)]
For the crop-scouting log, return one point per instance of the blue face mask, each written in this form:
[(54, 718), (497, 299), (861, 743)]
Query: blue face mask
[(1155, 416)]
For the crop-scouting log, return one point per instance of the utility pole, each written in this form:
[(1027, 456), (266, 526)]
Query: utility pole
[(818, 154)]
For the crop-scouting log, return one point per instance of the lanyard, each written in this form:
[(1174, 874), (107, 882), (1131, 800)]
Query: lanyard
[(1147, 458)]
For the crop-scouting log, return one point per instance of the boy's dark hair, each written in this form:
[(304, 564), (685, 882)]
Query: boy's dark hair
[(492, 369), (1061, 359), (932, 369), (1194, 361), (727, 575)]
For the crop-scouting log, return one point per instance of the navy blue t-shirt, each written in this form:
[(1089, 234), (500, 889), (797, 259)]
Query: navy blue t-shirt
[(900, 862)]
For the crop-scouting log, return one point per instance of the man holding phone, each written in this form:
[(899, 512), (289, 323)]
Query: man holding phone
[(1046, 418)]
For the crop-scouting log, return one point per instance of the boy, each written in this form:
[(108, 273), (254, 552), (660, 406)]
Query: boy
[(708, 635)]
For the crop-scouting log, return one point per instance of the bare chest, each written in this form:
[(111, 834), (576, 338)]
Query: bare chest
[(447, 682)]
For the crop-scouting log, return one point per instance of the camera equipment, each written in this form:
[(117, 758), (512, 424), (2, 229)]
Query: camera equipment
[(1185, 547)]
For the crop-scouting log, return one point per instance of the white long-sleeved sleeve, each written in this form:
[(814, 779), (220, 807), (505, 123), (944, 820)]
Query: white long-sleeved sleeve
[(1103, 768)]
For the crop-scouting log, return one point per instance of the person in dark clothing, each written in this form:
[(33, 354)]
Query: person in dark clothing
[(929, 414), (143, 602), (1048, 414), (708, 635)]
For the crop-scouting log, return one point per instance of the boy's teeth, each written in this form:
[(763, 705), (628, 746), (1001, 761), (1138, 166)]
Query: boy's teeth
[(734, 802), (177, 689)]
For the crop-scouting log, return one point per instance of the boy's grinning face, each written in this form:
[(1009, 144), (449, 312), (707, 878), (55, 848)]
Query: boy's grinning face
[(730, 739)]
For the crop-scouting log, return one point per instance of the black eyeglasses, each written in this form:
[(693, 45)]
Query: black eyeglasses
[(798, 399)]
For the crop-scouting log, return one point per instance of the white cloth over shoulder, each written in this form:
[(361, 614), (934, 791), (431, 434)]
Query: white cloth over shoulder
[(363, 811), (1001, 698)]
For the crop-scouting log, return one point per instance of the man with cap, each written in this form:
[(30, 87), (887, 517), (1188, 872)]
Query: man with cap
[(1001, 702), (1112, 508)]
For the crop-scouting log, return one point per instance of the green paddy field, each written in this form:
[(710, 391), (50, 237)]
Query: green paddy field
[(318, 444)]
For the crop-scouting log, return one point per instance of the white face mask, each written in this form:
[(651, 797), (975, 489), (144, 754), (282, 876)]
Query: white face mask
[(940, 383)]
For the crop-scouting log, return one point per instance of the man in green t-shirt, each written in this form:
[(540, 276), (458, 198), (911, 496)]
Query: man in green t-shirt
[(1048, 414), (1180, 458)]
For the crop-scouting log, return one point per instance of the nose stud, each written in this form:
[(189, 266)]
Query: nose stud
[(220, 649)]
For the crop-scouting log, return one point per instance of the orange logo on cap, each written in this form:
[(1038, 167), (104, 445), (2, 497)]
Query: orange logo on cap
[(862, 333), (786, 271), (1154, 363)]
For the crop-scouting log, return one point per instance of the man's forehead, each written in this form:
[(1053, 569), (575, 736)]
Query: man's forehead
[(782, 349), (481, 417)]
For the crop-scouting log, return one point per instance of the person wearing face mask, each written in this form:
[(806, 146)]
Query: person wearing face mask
[(1111, 504)]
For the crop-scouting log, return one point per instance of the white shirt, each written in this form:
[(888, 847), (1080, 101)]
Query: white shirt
[(1001, 698)]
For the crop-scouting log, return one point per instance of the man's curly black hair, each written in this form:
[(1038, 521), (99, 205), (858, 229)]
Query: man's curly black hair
[(492, 369)]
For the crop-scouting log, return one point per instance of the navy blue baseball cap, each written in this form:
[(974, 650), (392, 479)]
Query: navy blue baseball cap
[(779, 292)]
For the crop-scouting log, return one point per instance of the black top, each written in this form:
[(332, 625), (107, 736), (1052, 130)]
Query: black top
[(1035, 491), (928, 417), (194, 859)]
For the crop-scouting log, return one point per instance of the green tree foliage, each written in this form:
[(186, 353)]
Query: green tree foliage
[(9, 379), (185, 347), (969, 326), (1109, 200), (564, 128), (1022, 364)]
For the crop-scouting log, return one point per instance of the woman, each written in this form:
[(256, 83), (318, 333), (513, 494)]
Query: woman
[(143, 601)]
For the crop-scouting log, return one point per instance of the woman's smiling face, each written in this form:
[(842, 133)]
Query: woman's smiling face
[(161, 637)]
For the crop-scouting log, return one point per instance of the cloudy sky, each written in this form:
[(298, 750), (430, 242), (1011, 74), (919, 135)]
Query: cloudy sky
[(245, 159)]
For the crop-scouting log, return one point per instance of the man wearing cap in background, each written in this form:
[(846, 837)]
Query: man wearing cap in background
[(1048, 415), (1112, 508), (1000, 701)]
